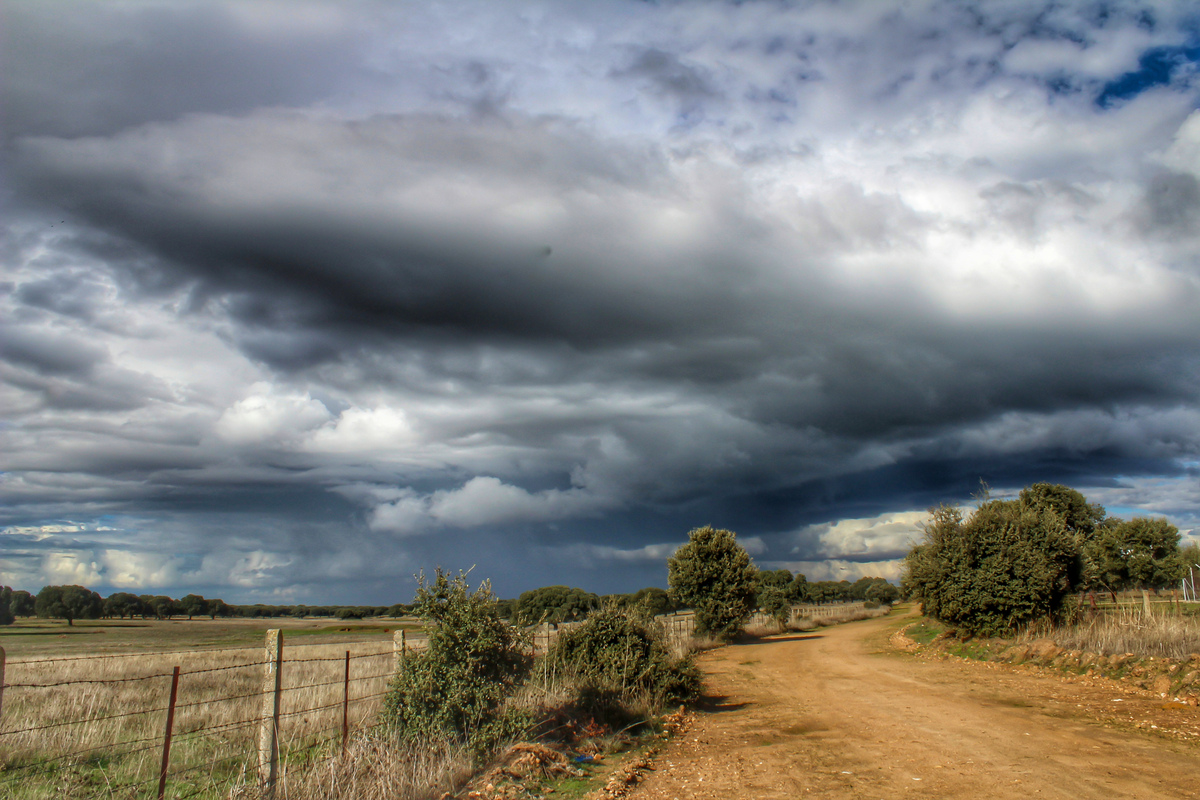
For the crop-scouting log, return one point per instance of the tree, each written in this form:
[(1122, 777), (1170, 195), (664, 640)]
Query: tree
[(882, 592), (554, 604), (799, 589), (714, 575), (775, 593), (1010, 563), (193, 605), (69, 603), (653, 599), (218, 608), (456, 689), (119, 604), (1076, 513), (1140, 554), (22, 604), (6, 613)]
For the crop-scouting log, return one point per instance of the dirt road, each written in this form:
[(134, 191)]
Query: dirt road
[(840, 714)]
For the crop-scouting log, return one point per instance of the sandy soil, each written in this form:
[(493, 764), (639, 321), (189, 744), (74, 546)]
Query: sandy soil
[(841, 713)]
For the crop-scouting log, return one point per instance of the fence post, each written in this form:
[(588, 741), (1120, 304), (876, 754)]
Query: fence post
[(399, 649), (1, 682), (166, 756), (268, 739), (346, 704)]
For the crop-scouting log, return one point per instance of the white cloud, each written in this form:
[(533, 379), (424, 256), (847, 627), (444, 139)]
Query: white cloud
[(861, 538), (268, 416), (79, 567), (482, 500), (365, 430)]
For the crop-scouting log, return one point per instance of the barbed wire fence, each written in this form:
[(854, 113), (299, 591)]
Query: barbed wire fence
[(85, 726)]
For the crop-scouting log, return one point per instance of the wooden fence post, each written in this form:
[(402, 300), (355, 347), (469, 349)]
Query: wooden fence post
[(1, 682), (268, 739), (166, 756)]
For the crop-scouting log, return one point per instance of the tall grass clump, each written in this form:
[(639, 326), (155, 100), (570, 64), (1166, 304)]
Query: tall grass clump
[(1126, 631), (378, 767), (620, 667), (457, 690)]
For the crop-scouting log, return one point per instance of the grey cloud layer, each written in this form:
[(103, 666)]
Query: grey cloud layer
[(539, 281)]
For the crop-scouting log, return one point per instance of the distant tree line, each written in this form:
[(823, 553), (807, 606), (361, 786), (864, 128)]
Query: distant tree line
[(771, 591), (78, 602)]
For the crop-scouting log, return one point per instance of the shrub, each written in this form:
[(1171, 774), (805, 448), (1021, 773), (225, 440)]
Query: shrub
[(456, 690), (618, 659), (1008, 564), (715, 576)]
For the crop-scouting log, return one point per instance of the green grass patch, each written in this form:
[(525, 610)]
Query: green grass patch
[(925, 631)]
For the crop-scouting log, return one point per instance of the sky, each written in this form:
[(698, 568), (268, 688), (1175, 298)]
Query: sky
[(298, 299)]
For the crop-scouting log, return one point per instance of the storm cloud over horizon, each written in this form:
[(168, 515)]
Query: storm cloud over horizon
[(298, 298)]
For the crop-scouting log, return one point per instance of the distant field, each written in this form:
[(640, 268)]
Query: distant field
[(84, 706), (34, 638)]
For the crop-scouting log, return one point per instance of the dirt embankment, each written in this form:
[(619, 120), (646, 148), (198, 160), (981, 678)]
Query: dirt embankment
[(842, 713)]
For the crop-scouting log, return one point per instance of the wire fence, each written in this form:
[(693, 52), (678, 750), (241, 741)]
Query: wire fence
[(217, 722)]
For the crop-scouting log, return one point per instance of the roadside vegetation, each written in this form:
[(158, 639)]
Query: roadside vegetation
[(1050, 566)]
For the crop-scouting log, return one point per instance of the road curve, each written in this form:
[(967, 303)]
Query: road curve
[(839, 714)]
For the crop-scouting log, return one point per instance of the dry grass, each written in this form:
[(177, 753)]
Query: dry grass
[(98, 724), (1126, 630), (375, 767), (852, 614)]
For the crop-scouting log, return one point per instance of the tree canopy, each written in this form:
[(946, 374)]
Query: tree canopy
[(554, 604), (713, 575), (69, 603)]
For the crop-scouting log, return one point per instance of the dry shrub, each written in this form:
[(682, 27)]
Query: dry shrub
[(759, 631), (1127, 631)]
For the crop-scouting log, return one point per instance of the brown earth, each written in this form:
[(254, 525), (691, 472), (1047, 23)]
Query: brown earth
[(843, 713)]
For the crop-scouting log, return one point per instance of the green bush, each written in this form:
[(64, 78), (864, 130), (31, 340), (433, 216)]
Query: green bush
[(715, 576), (456, 690), (1008, 564), (619, 660)]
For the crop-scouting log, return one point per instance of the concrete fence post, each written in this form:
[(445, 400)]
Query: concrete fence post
[(268, 739)]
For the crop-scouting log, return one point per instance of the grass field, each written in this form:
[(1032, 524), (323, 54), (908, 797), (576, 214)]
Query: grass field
[(41, 638), (85, 706)]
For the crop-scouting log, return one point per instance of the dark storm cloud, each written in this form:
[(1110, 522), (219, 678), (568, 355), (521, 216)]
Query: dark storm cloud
[(338, 294)]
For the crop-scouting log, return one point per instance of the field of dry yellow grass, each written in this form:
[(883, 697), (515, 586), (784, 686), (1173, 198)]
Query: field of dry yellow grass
[(76, 722)]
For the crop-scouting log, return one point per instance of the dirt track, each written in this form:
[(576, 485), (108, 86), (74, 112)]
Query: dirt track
[(840, 714)]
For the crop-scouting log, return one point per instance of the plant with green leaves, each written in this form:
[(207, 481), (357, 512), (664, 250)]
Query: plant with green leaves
[(69, 603), (6, 613), (1140, 553), (1008, 564), (456, 690), (618, 659), (713, 575)]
